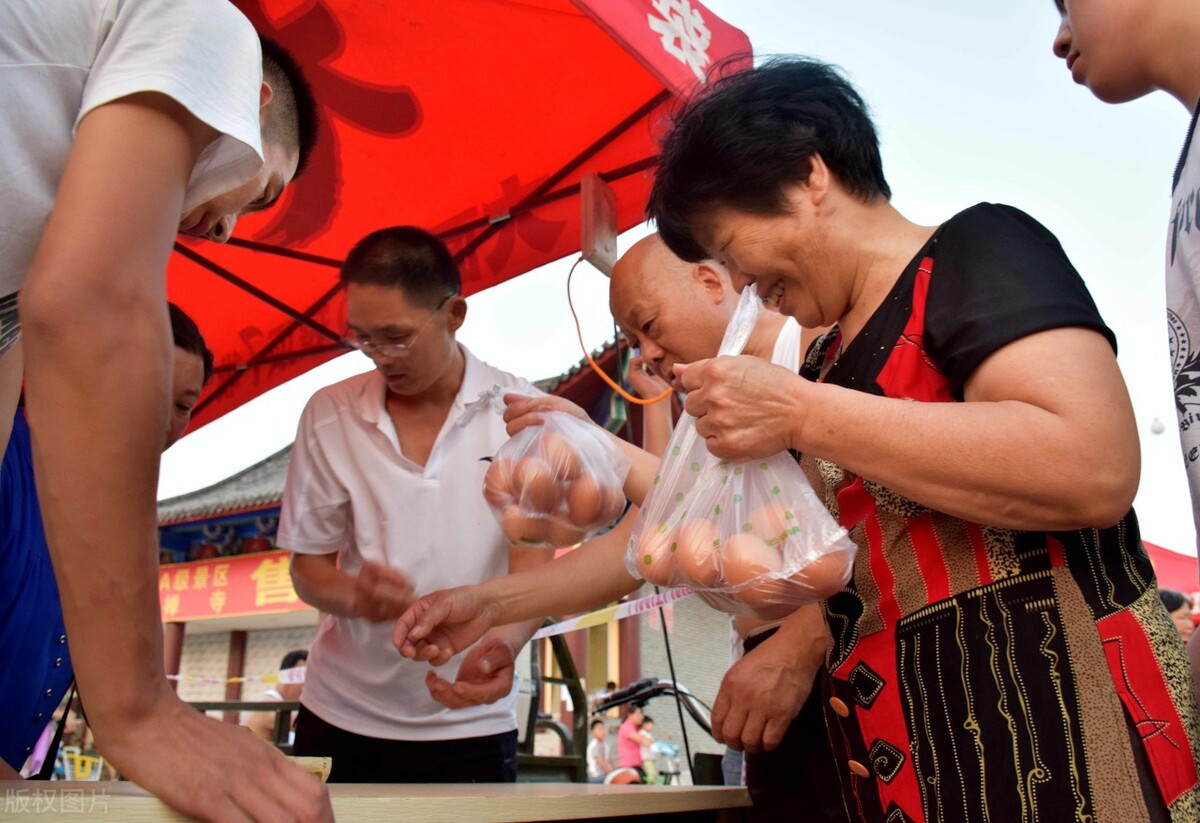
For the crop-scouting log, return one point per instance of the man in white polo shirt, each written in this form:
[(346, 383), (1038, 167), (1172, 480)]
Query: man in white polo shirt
[(384, 498)]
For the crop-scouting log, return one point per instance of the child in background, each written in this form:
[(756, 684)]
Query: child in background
[(598, 762), (649, 764)]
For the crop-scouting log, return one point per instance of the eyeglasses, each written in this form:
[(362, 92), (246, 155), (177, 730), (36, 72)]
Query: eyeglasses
[(392, 349)]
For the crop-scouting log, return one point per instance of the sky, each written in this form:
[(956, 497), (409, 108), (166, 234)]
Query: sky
[(971, 106)]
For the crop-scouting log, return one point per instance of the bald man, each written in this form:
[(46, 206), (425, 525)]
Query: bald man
[(677, 312)]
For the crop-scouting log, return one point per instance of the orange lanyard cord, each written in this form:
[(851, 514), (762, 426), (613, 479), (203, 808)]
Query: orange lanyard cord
[(612, 383)]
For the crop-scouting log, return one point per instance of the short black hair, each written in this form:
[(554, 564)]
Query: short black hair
[(595, 723), (407, 258), (186, 335), (294, 117), (1172, 600), (747, 136), (292, 658), (647, 719)]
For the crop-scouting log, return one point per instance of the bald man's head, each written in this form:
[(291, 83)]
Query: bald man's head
[(649, 265), (674, 311)]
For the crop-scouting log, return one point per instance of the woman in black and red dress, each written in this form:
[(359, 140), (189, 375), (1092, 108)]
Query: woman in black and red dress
[(1001, 653)]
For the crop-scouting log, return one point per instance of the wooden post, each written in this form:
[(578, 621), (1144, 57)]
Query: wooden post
[(173, 650), (630, 655), (236, 668), (579, 643), (597, 657)]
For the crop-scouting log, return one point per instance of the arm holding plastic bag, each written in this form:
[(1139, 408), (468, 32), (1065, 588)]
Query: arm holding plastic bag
[(956, 458)]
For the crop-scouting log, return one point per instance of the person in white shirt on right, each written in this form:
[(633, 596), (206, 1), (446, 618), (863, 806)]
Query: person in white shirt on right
[(1122, 52)]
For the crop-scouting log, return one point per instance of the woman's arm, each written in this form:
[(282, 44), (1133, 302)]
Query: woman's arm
[(1045, 440)]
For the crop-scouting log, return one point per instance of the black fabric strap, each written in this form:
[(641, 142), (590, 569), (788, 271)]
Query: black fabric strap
[(47, 770)]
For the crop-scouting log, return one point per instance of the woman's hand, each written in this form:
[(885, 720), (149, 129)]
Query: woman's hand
[(745, 407)]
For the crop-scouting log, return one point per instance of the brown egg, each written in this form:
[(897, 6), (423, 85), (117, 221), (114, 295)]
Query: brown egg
[(748, 557), (560, 534), (561, 456), (655, 555), (774, 600), (771, 523), (535, 486), (614, 503), (825, 576), (698, 556), (523, 530), (586, 502), (497, 484), (745, 557)]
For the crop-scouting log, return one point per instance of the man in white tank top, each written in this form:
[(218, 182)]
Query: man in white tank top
[(676, 312)]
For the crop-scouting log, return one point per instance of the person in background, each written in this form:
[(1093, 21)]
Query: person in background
[(649, 763), (599, 763), (35, 660), (596, 697), (123, 125), (263, 723), (1179, 607), (1121, 52), (630, 740)]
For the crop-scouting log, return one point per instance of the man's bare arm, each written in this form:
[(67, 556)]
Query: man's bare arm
[(376, 593), (98, 354)]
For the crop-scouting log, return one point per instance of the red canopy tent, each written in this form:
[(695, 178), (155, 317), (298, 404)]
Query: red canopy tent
[(476, 119)]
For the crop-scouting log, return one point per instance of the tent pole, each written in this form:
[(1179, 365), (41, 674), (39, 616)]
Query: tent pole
[(581, 158)]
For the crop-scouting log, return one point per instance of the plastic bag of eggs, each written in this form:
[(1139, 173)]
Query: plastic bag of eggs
[(747, 540), (556, 484)]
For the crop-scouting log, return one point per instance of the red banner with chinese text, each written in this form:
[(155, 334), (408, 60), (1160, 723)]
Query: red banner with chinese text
[(227, 587)]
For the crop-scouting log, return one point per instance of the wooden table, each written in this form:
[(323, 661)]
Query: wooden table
[(72, 802)]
